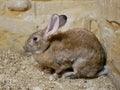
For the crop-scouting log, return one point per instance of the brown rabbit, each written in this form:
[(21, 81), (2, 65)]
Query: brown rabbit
[(75, 49)]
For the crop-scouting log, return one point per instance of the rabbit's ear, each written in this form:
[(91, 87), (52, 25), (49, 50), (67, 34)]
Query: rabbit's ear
[(53, 25), (62, 21)]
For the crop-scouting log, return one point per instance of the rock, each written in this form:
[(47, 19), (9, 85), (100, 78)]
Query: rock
[(110, 38), (19, 5), (109, 10)]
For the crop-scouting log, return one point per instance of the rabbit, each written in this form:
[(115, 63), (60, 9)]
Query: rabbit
[(76, 49)]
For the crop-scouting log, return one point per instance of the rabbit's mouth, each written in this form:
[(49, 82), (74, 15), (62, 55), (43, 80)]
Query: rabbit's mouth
[(31, 49)]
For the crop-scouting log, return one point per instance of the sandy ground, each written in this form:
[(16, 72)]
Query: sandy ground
[(18, 72)]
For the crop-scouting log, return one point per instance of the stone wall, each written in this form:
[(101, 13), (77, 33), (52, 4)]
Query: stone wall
[(102, 17)]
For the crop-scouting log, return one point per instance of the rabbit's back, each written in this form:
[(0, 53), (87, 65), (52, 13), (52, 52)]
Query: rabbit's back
[(79, 38)]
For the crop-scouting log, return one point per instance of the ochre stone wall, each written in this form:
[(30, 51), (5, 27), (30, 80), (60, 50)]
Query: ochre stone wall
[(100, 16)]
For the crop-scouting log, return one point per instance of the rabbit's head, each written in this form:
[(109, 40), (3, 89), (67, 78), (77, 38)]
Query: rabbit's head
[(38, 42)]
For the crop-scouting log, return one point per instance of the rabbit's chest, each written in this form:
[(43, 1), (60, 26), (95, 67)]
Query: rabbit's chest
[(44, 59)]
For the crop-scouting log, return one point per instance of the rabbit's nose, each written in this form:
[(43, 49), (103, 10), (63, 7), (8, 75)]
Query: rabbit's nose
[(31, 43)]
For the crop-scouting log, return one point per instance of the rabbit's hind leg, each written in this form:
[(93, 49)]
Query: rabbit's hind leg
[(80, 69), (75, 73)]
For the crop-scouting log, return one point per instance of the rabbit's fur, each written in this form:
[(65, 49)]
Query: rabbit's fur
[(76, 49)]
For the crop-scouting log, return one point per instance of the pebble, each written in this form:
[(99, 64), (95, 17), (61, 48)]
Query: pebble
[(19, 5), (36, 88)]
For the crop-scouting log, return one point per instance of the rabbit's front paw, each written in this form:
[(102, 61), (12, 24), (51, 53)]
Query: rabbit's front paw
[(53, 77)]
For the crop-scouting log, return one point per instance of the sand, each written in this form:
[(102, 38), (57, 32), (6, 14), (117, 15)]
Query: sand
[(18, 72)]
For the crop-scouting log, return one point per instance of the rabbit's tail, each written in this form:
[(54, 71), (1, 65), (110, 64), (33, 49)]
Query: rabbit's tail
[(104, 71)]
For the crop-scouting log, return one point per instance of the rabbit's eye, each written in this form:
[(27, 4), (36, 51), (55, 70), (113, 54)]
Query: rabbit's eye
[(35, 38)]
